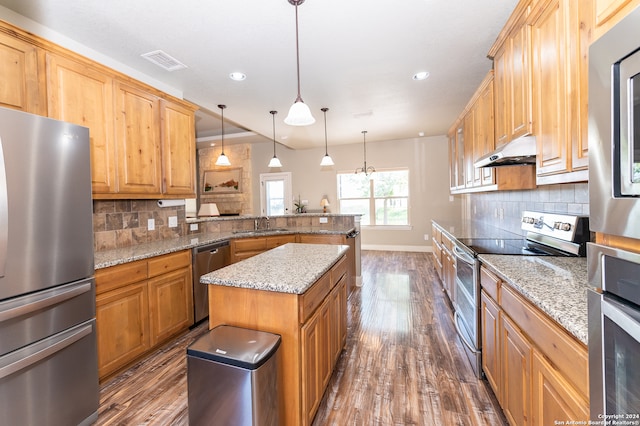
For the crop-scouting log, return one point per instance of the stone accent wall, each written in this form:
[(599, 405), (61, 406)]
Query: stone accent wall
[(239, 156)]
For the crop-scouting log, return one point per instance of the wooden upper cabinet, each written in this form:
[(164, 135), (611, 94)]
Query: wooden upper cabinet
[(610, 12), (81, 94), (519, 79), (560, 39), (549, 53), (512, 68), (139, 164), (178, 149), (501, 99), (22, 87), (485, 137)]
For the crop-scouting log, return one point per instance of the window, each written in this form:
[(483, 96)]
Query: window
[(383, 200)]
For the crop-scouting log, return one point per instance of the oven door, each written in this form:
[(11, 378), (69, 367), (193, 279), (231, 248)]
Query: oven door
[(621, 352), (467, 306)]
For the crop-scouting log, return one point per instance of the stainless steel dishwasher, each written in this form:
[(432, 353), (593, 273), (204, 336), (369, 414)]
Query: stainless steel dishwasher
[(206, 259)]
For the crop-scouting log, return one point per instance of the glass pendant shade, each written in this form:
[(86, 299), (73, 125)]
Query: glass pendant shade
[(299, 115), (275, 162), (223, 160), (326, 161)]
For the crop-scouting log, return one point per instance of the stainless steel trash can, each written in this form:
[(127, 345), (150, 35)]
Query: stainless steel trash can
[(232, 378)]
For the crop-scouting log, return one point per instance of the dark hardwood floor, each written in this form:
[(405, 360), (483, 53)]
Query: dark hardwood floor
[(403, 364)]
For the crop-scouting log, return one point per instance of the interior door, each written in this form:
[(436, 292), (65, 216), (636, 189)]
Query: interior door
[(275, 194)]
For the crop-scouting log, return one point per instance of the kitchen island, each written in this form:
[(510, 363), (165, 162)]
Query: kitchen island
[(299, 292)]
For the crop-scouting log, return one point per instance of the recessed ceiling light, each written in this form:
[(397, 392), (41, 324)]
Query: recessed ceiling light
[(237, 76), (421, 75)]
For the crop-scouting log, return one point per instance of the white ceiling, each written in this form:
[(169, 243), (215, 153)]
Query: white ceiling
[(357, 57)]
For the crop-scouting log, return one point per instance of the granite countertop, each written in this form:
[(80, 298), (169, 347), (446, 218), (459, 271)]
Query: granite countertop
[(107, 258), (290, 268), (556, 285)]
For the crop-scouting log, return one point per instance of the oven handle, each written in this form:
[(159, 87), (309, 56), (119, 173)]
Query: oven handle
[(622, 319), (463, 256), (463, 338)]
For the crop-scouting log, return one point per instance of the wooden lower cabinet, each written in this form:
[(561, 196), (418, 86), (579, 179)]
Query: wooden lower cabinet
[(553, 397), (490, 342), (139, 306), (538, 371), (122, 326), (170, 304), (244, 248), (515, 357), (315, 359)]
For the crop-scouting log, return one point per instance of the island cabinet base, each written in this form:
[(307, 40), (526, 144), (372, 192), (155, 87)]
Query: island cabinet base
[(311, 325)]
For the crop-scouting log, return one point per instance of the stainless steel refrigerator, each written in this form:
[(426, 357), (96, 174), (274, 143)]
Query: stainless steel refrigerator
[(48, 360)]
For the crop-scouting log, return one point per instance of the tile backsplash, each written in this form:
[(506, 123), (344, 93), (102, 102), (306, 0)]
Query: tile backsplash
[(123, 223), (503, 209)]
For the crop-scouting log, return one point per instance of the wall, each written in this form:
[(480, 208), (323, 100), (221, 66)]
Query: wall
[(504, 208), (427, 159)]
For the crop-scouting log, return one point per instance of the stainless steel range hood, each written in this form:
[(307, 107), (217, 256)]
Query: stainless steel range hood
[(521, 151)]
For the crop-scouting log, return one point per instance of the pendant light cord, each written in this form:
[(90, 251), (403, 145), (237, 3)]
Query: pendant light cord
[(222, 107), (273, 116), (324, 110), (299, 98)]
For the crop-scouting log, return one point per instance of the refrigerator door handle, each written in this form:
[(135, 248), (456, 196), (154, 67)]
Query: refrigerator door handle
[(64, 340), (4, 214), (45, 300)]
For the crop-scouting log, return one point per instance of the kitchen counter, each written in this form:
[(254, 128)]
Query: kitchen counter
[(291, 268), (556, 285), (107, 258)]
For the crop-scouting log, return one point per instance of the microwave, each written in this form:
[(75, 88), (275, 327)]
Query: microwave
[(614, 129)]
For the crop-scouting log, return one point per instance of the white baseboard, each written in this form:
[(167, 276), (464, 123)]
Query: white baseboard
[(380, 247)]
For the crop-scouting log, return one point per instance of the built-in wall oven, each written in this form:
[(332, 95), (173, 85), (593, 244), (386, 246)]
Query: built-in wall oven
[(547, 234), (614, 334), (614, 129)]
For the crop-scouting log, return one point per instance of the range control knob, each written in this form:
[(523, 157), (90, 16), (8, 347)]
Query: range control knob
[(566, 227)]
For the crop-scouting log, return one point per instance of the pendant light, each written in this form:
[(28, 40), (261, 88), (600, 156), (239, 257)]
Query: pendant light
[(326, 160), (222, 160), (274, 161), (299, 113), (368, 171)]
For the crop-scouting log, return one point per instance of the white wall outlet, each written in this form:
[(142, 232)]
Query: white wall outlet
[(151, 225), (451, 198), (324, 220), (426, 237), (305, 202), (193, 227), (173, 221)]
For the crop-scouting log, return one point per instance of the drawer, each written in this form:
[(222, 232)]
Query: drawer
[(169, 262), (249, 244), (108, 279), (490, 283), (567, 354), (313, 297), (447, 242), (280, 240), (338, 270), (437, 234)]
